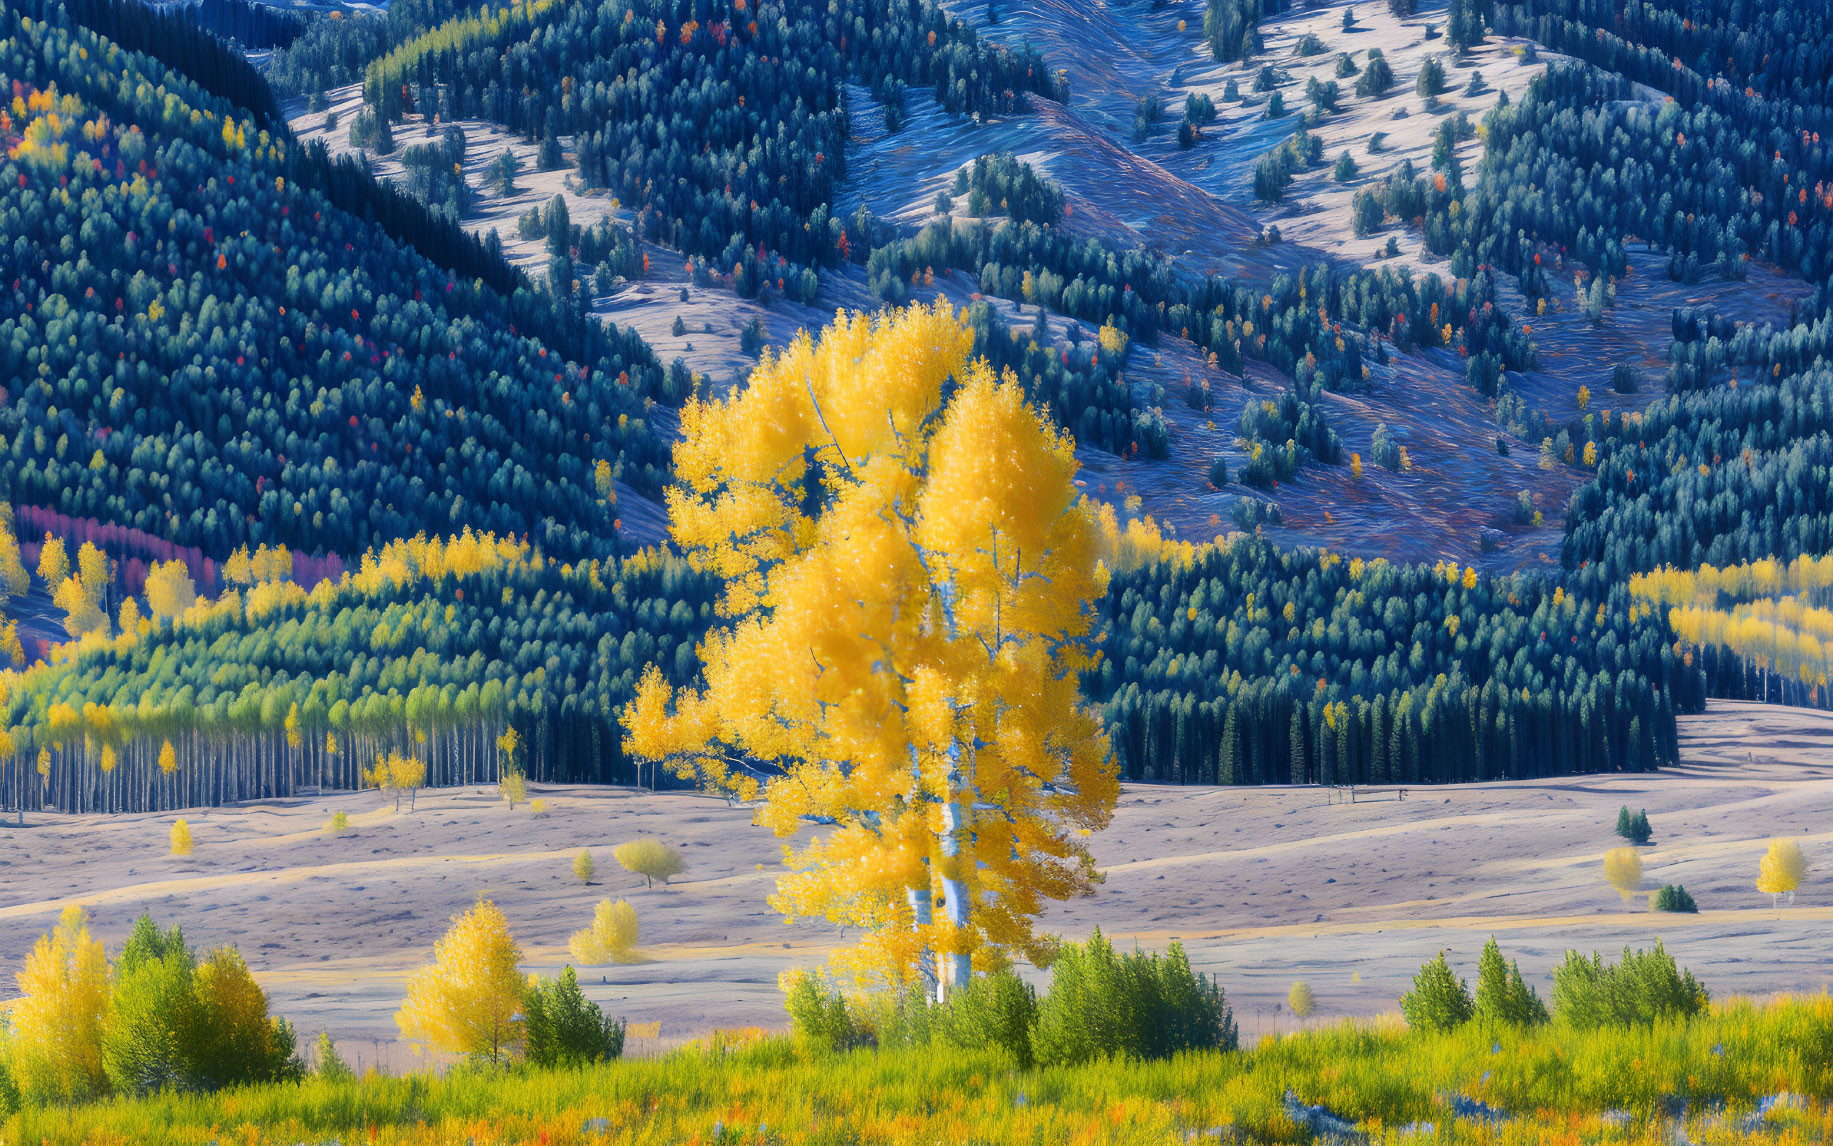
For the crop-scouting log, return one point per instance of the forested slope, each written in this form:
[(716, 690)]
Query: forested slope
[(240, 343), (432, 647), (207, 349)]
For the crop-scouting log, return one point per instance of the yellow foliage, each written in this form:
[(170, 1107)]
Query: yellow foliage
[(80, 612), (55, 1040), (1623, 868), (469, 1000), (1301, 999), (1113, 339), (908, 654), (181, 838), (235, 1004), (1782, 868), (54, 561), (583, 866), (651, 859), (170, 593), (611, 938)]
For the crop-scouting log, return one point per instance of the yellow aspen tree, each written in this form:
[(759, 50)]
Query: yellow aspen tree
[(53, 562), (1623, 868), (239, 569), (651, 859), (910, 583), (92, 567), (611, 938), (1781, 870), (168, 758), (406, 773), (381, 777), (469, 1001), (583, 866), (181, 838), (80, 612), (55, 1040), (513, 788), (14, 580), (170, 592), (1301, 999)]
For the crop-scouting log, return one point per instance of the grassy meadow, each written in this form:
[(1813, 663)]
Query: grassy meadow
[(1710, 1076)]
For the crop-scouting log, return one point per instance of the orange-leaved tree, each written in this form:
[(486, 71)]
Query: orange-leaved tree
[(910, 583)]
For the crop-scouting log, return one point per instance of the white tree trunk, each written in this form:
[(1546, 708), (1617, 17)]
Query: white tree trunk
[(957, 969), (922, 916)]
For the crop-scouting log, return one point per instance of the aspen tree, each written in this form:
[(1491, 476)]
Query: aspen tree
[(54, 1036), (910, 582), (1781, 870), (469, 1000), (1623, 868), (611, 938)]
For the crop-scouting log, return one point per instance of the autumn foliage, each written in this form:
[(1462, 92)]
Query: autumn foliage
[(910, 575)]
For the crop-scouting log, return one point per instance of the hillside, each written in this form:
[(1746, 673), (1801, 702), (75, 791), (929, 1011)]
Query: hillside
[(1401, 385), (229, 358)]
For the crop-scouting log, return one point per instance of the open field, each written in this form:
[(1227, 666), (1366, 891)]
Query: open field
[(1263, 886)]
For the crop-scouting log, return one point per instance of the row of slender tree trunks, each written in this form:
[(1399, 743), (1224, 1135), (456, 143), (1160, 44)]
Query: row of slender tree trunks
[(1260, 736), (211, 769), (1741, 678)]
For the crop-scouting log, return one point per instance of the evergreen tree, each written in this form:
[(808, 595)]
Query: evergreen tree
[(1439, 1000)]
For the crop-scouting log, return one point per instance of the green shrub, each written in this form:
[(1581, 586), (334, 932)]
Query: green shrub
[(1439, 1000), (155, 1030), (178, 1024), (564, 1028), (1251, 513), (996, 1010), (1673, 897), (1644, 987), (329, 1065), (818, 1015), (1502, 996), (1218, 471), (1634, 827), (1127, 1006)]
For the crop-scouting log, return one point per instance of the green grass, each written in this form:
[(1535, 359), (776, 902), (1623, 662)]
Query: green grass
[(1555, 1082)]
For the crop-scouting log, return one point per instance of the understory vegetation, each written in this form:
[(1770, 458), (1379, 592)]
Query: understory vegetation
[(1717, 1075)]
